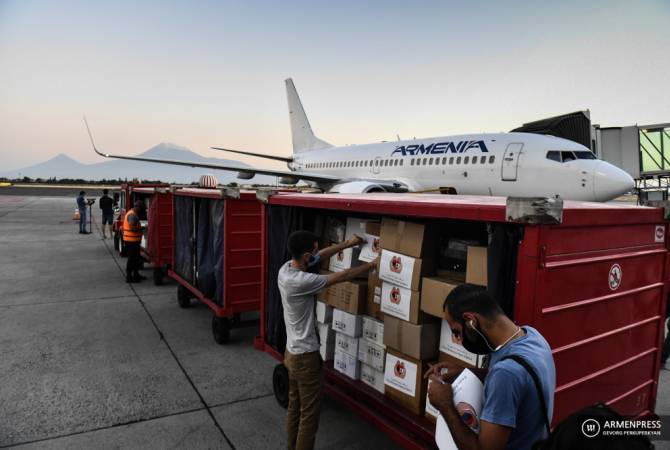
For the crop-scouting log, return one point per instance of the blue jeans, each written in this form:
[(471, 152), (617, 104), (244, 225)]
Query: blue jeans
[(82, 219)]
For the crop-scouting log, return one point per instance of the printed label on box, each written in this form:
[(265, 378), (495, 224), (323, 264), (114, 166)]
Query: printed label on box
[(347, 364), (324, 313), (451, 346), (371, 354), (373, 330), (396, 268), (341, 260), (400, 374), (346, 323), (371, 249), (396, 301), (347, 344), (372, 377)]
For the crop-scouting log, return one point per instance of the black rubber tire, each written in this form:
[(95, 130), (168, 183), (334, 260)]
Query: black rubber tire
[(116, 241), (183, 297), (158, 276), (280, 385), (221, 329), (122, 248)]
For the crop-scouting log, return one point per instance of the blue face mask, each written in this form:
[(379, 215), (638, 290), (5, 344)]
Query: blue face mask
[(313, 260)]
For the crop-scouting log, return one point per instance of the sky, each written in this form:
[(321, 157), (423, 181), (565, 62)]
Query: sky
[(211, 73)]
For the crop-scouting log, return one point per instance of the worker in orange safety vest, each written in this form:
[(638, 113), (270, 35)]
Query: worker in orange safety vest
[(132, 236)]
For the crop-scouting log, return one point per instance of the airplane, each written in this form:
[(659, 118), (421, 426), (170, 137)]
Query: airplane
[(495, 164)]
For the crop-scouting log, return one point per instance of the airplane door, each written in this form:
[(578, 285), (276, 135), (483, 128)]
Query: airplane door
[(511, 162), (377, 165)]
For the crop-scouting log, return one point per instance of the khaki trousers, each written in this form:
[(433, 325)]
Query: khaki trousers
[(305, 373)]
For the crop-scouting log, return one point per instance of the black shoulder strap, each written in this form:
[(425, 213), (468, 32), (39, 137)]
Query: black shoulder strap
[(538, 386)]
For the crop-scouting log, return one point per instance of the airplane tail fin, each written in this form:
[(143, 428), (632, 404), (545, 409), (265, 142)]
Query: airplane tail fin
[(303, 136)]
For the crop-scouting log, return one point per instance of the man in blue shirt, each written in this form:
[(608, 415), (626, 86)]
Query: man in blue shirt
[(511, 416), (81, 205)]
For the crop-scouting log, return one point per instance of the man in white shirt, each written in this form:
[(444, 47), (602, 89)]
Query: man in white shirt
[(298, 287)]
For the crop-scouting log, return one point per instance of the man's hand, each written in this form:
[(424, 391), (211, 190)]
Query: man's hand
[(440, 393), (374, 264), (453, 371), (355, 240)]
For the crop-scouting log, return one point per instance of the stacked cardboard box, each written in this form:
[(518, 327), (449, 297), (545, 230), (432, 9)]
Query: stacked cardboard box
[(347, 329), (372, 353), (324, 319), (410, 335)]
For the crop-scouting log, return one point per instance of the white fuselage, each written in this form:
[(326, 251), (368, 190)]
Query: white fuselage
[(502, 164)]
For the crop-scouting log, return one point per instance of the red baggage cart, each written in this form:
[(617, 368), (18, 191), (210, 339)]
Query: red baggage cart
[(217, 253), (158, 241), (592, 278), (126, 200)]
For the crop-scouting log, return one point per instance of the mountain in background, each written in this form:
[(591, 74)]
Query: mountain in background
[(62, 166)]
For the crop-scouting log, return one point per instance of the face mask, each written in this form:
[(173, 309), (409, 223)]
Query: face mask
[(474, 340), (313, 260)]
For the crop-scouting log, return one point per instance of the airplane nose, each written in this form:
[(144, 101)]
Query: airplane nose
[(609, 182)]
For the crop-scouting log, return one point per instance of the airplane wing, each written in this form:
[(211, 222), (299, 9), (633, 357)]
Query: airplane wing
[(259, 155), (247, 170)]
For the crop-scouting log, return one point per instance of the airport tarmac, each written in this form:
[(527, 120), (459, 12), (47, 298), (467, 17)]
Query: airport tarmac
[(88, 361)]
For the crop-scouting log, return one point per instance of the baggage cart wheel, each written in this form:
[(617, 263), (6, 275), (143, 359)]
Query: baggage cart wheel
[(183, 297), (158, 276), (221, 329), (116, 242), (280, 385)]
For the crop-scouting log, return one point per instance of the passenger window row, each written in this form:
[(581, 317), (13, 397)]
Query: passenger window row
[(400, 162)]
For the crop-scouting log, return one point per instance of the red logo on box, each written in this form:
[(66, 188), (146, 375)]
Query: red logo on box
[(375, 245), (399, 369), (396, 264), (395, 296)]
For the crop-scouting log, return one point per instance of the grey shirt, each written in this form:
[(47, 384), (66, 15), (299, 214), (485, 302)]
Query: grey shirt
[(297, 289)]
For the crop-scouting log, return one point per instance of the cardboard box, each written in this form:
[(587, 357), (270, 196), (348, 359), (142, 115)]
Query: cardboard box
[(402, 303), (476, 270), (371, 354), (327, 351), (344, 259), (326, 333), (334, 230), (402, 270), (373, 330), (349, 324), (324, 312), (403, 380), (373, 378), (347, 364), (374, 297), (372, 247), (346, 344), (445, 357), (451, 346), (349, 296), (434, 291), (356, 226), (408, 238), (417, 341)]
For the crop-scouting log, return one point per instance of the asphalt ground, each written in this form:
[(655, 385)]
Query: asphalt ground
[(88, 361)]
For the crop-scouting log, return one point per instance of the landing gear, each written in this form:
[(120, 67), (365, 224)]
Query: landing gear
[(221, 329)]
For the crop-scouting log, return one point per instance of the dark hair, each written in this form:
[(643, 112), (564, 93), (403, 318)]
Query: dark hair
[(82, 193), (105, 191), (301, 242), (471, 298)]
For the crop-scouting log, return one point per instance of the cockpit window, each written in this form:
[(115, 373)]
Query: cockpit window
[(585, 155), (568, 156), (554, 155)]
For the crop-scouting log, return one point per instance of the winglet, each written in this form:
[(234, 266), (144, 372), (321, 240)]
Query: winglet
[(303, 136), (90, 136)]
